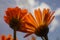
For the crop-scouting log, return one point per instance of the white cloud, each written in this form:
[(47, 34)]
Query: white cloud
[(54, 25), (31, 2), (25, 2), (57, 12), (43, 5), (22, 3), (28, 4), (55, 22)]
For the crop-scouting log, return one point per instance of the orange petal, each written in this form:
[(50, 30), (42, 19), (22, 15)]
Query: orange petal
[(6, 19), (30, 19), (51, 14), (17, 12), (46, 17), (19, 15), (45, 14), (24, 12), (9, 11), (25, 30), (3, 37), (45, 11), (33, 38), (9, 14), (38, 16), (27, 35), (30, 26), (50, 20), (13, 13), (9, 37)]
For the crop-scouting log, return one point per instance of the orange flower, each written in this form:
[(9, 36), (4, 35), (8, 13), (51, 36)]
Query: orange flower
[(40, 22), (14, 17), (32, 38), (9, 37)]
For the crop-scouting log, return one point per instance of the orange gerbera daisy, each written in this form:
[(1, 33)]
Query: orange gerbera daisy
[(9, 37), (32, 38), (40, 23), (14, 18)]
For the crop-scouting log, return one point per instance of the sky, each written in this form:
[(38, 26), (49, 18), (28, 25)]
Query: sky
[(53, 5)]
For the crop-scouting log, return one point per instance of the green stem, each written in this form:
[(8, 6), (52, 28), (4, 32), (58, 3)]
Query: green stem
[(15, 33)]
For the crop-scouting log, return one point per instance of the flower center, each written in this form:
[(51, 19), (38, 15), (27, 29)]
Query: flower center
[(42, 30), (14, 23)]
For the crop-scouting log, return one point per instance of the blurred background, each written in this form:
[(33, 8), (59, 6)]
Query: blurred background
[(53, 5)]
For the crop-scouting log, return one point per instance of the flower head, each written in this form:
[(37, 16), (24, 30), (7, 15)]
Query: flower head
[(14, 17), (32, 38), (9, 37), (40, 22)]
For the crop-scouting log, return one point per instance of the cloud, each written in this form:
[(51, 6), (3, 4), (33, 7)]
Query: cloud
[(31, 2), (28, 4), (54, 25), (42, 6), (57, 12), (22, 3)]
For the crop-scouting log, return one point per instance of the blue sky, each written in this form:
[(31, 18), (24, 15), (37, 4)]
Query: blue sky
[(54, 27)]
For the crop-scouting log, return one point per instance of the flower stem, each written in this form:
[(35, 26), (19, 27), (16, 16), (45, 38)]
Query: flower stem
[(14, 33)]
